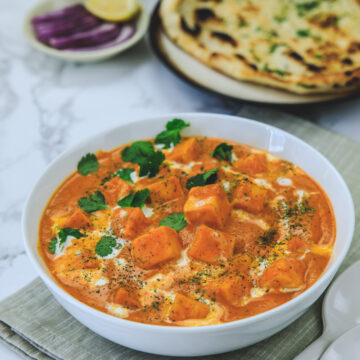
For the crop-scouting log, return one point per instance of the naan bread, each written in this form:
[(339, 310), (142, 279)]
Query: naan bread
[(310, 46)]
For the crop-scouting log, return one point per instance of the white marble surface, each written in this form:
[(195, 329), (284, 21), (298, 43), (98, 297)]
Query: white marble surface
[(47, 105)]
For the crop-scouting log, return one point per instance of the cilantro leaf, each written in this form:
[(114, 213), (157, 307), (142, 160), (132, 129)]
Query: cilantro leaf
[(105, 246), (143, 154), (171, 136), (151, 167), (65, 232), (52, 245), (134, 199), (88, 164), (93, 202), (62, 235), (125, 174), (222, 152), (177, 124), (176, 221), (206, 178), (138, 151)]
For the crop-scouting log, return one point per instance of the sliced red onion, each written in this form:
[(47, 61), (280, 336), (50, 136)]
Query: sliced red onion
[(44, 34), (99, 35), (126, 32), (60, 22), (59, 15), (75, 28)]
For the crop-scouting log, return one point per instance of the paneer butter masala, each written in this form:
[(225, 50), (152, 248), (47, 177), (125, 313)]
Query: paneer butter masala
[(186, 231)]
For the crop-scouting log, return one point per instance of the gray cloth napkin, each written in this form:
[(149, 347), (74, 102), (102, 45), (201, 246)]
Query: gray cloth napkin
[(37, 327)]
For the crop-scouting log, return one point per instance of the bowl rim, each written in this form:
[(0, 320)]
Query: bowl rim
[(142, 22), (291, 304)]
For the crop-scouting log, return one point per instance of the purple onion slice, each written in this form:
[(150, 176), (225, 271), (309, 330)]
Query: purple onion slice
[(69, 27), (60, 15), (126, 32), (99, 35)]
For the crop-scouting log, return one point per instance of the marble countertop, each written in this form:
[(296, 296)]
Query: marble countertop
[(47, 105)]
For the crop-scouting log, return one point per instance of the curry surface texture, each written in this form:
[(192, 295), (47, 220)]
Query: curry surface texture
[(304, 46), (241, 232)]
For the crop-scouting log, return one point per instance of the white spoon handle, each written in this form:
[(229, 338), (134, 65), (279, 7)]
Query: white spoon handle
[(314, 350)]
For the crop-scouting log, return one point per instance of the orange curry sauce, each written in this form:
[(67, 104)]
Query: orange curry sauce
[(253, 237)]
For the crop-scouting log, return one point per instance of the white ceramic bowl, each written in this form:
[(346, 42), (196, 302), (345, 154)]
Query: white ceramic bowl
[(185, 341), (142, 24)]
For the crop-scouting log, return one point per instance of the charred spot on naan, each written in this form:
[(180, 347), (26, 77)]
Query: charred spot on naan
[(347, 61), (246, 62), (204, 14), (191, 31), (325, 21), (224, 38)]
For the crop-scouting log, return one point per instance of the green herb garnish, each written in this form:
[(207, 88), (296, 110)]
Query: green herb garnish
[(268, 237), (273, 47), (304, 207), (279, 19), (303, 33), (88, 164), (206, 178), (125, 174), (93, 202), (176, 221), (306, 6), (319, 56), (138, 152), (52, 245), (143, 154), (105, 246), (275, 71), (171, 136), (136, 199), (62, 235), (156, 305), (222, 152), (297, 210)]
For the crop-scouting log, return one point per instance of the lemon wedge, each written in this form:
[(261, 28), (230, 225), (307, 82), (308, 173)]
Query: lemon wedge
[(113, 10)]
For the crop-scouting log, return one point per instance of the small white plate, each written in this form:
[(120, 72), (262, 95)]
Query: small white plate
[(202, 76), (346, 347), (142, 23)]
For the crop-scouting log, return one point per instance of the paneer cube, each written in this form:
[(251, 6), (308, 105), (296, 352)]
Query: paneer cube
[(211, 246), (249, 197), (129, 223), (165, 190), (156, 247), (283, 274), (251, 164), (184, 308), (207, 205), (77, 220), (114, 190), (128, 298), (75, 259), (229, 289), (186, 151), (81, 278)]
